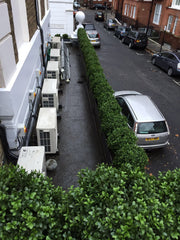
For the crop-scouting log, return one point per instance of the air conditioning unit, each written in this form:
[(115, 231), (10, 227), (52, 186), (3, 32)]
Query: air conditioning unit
[(55, 55), (49, 94), (56, 42), (46, 129), (52, 70), (33, 158)]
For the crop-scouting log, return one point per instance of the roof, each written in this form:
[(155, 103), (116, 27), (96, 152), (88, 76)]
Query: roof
[(143, 108)]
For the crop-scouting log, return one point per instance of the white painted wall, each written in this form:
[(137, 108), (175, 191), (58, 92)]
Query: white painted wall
[(7, 58), (14, 102), (61, 20)]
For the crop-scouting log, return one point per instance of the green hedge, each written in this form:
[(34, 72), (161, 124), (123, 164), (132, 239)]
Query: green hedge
[(108, 204), (121, 141), (121, 202)]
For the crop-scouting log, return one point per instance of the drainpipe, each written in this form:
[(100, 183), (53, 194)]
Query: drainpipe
[(11, 157), (34, 113), (150, 12)]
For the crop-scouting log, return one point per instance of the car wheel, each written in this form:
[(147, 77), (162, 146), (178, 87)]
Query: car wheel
[(130, 45), (154, 61), (170, 72)]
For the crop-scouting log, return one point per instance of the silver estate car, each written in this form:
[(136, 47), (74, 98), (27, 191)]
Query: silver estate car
[(144, 118)]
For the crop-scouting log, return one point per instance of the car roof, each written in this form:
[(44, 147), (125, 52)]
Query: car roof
[(91, 31), (177, 54), (142, 107)]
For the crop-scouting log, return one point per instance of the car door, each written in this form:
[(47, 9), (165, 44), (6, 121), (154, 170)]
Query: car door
[(126, 112), (164, 61)]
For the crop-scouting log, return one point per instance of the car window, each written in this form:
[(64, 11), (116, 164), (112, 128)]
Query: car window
[(125, 111), (142, 36), (172, 57), (132, 34), (152, 127), (93, 35), (165, 55)]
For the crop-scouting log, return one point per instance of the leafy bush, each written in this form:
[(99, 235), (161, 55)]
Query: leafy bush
[(28, 203), (121, 141)]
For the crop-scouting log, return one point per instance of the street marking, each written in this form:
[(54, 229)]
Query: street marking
[(177, 83)]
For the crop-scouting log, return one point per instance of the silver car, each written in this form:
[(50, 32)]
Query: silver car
[(110, 24), (144, 118), (94, 38)]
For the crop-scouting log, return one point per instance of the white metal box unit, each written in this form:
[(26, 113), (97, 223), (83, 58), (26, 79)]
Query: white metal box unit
[(56, 42), (55, 55), (52, 70), (33, 158), (46, 129), (49, 94)]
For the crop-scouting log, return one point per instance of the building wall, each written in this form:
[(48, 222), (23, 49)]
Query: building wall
[(61, 21), (143, 11), (17, 79), (141, 14)]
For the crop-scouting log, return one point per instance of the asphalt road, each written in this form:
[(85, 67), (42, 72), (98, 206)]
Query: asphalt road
[(129, 69)]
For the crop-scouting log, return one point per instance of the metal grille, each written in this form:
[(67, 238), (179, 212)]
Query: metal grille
[(45, 140), (51, 74), (48, 101), (54, 59)]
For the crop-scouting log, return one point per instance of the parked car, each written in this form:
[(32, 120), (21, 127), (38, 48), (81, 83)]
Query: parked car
[(99, 16), (168, 61), (94, 38), (98, 6), (136, 39), (110, 24), (121, 31), (144, 118), (76, 5), (89, 26)]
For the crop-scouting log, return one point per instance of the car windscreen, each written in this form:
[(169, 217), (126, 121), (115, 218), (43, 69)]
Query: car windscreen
[(142, 36), (93, 35), (152, 127), (89, 27)]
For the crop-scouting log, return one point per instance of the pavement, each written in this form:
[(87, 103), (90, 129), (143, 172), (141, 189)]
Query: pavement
[(79, 143)]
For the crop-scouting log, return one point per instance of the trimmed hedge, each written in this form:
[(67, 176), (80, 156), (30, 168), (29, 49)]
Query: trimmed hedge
[(121, 202), (108, 204), (121, 141)]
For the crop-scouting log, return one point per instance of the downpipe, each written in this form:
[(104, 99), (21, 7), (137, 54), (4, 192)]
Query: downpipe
[(10, 156)]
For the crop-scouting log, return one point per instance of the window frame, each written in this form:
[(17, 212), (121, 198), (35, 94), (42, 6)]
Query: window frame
[(157, 13)]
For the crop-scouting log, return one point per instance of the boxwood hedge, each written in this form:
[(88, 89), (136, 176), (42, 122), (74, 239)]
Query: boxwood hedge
[(111, 202)]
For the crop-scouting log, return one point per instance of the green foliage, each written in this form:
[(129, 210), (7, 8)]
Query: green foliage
[(112, 202), (121, 141), (28, 204)]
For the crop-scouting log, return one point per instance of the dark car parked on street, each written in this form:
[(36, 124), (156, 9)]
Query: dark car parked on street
[(168, 61), (121, 31), (136, 39), (99, 6), (99, 16)]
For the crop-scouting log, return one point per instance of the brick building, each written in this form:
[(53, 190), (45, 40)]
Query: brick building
[(162, 16)]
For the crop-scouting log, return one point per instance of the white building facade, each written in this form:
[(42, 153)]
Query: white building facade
[(21, 65), (61, 21)]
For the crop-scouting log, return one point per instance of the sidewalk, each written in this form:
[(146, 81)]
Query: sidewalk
[(79, 145)]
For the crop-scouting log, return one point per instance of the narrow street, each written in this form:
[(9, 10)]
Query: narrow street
[(131, 69)]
